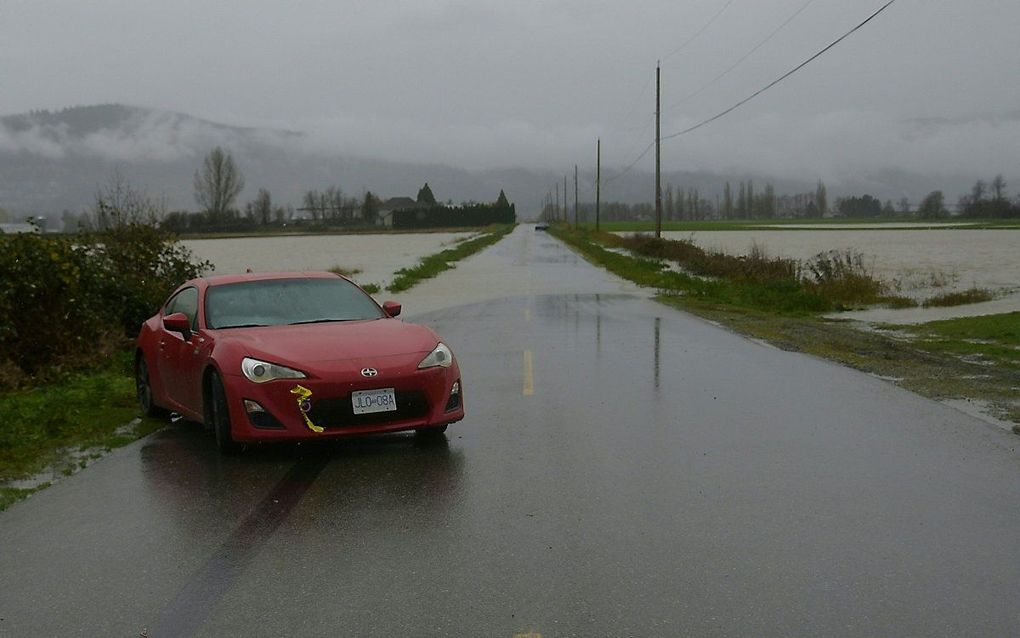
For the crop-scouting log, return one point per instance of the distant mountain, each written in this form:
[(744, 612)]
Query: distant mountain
[(55, 161)]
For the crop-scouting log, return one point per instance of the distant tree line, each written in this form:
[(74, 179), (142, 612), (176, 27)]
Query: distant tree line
[(218, 183), (987, 200), (688, 204), (466, 215)]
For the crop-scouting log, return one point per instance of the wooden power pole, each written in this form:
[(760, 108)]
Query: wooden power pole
[(566, 209), (598, 181), (575, 198), (658, 160)]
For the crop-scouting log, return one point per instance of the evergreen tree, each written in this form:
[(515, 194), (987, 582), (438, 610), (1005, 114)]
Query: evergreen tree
[(502, 201), (425, 196), (822, 199)]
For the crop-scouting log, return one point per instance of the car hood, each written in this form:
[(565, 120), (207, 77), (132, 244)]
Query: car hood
[(336, 341)]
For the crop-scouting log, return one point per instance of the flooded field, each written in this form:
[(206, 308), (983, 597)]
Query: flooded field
[(919, 263), (376, 256)]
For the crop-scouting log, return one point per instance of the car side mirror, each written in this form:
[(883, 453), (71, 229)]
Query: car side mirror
[(178, 322), (391, 308)]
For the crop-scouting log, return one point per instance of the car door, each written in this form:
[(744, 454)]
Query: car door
[(175, 351)]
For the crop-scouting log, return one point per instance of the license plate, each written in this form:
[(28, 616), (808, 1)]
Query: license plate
[(371, 401)]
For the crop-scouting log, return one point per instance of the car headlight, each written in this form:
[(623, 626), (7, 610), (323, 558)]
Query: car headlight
[(441, 357), (261, 371)]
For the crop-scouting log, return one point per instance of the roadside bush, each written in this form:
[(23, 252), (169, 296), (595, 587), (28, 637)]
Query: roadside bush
[(66, 301), (756, 267), (842, 277), (50, 305), (141, 265)]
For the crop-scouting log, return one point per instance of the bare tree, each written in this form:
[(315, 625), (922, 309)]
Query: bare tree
[(999, 188), (119, 204), (262, 207), (218, 184)]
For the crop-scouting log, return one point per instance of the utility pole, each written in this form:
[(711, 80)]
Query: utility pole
[(658, 160), (557, 200), (598, 180), (575, 197), (566, 211)]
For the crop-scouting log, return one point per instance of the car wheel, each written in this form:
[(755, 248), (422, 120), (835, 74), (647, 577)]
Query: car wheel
[(143, 390), (217, 415)]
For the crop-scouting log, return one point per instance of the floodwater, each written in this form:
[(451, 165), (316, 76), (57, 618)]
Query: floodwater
[(918, 263), (376, 256)]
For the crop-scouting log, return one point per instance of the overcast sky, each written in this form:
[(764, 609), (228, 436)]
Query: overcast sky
[(928, 86)]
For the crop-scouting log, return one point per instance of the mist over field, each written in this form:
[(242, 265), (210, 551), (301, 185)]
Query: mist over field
[(474, 97), (52, 161)]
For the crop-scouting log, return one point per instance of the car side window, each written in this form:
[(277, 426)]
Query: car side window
[(185, 301)]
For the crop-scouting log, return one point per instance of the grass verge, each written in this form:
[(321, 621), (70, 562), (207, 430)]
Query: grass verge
[(975, 358), (67, 423), (432, 265)]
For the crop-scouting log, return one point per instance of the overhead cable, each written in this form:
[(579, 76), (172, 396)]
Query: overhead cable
[(741, 60), (781, 78), (699, 32)]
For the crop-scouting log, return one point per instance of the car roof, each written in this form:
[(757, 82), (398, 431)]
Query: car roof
[(219, 280)]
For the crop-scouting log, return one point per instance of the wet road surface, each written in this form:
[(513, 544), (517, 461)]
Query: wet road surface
[(624, 470)]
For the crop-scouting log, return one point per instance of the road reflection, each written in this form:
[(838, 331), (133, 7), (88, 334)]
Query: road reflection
[(198, 490)]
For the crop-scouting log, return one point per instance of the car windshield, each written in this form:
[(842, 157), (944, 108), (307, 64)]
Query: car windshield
[(277, 302)]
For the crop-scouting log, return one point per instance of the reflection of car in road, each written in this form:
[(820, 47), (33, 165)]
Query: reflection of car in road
[(541, 226), (285, 356)]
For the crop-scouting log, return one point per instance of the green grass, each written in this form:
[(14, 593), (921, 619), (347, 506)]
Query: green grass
[(77, 411), (972, 295), (994, 339), (11, 495), (432, 265), (755, 282), (344, 271)]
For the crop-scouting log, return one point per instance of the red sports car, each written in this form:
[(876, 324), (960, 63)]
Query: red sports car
[(291, 356)]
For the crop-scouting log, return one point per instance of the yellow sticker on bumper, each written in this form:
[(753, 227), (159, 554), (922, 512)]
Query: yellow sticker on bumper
[(303, 394)]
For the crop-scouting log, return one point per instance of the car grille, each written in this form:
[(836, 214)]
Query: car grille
[(339, 412)]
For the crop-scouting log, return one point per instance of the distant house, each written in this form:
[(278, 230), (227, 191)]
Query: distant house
[(9, 229), (387, 208)]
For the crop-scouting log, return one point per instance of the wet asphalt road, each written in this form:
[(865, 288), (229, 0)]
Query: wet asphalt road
[(624, 470)]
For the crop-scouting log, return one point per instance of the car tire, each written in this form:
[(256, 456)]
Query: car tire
[(217, 415), (143, 390)]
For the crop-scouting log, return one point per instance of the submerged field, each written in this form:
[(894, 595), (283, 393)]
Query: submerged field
[(369, 259), (923, 261)]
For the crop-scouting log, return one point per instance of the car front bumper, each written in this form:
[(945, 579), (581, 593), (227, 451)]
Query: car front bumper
[(322, 407)]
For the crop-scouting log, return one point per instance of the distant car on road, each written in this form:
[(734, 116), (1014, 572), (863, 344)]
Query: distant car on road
[(293, 356), (542, 226)]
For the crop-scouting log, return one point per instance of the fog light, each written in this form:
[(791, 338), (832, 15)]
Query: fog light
[(454, 401), (259, 417)]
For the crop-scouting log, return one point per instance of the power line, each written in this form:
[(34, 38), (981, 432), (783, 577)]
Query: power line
[(781, 78), (650, 146), (699, 32), (741, 60), (641, 94)]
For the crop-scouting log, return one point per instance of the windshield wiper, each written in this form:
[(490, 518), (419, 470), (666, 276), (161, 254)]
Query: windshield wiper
[(243, 325), (298, 323)]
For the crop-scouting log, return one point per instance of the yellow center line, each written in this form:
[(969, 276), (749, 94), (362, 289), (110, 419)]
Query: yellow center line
[(529, 378), (527, 314)]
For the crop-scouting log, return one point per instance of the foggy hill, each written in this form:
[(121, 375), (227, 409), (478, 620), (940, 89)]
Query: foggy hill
[(52, 161)]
